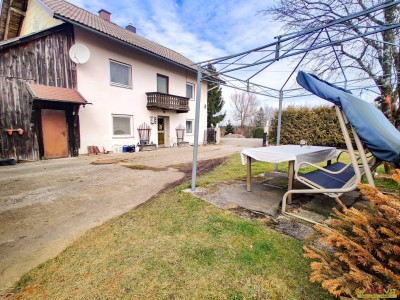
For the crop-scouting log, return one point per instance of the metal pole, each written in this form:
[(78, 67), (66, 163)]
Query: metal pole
[(278, 134), (319, 46), (196, 128), (301, 60), (289, 36), (337, 59)]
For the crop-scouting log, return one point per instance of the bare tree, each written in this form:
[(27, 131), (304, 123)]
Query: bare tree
[(264, 116), (269, 113), (245, 107), (375, 56), (259, 118)]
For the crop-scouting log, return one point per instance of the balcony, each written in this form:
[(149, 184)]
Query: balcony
[(162, 101)]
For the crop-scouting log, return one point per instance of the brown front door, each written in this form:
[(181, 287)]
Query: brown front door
[(55, 136)]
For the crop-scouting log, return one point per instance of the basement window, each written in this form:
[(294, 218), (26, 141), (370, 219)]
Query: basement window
[(122, 125)]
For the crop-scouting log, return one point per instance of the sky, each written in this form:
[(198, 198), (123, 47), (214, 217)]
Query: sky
[(202, 30)]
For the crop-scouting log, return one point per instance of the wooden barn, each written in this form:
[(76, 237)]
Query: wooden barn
[(39, 107)]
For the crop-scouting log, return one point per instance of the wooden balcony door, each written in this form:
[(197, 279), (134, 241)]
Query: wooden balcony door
[(54, 133)]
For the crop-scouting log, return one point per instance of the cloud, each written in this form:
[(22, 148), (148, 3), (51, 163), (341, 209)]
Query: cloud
[(197, 29), (202, 30)]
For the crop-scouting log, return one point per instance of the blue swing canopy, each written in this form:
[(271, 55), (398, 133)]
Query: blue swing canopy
[(379, 136)]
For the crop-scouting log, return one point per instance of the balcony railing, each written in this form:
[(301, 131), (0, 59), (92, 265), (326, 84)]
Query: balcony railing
[(163, 101)]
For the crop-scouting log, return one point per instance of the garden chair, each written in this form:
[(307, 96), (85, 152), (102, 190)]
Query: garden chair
[(372, 132)]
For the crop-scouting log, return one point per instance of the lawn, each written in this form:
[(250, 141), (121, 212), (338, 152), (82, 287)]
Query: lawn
[(176, 246)]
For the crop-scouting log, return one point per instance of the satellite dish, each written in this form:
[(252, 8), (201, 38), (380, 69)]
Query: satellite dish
[(79, 53)]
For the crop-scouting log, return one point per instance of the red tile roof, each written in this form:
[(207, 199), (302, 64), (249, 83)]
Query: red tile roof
[(58, 94), (70, 12)]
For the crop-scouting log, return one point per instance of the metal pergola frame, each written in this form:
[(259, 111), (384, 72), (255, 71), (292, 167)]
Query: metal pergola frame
[(286, 46)]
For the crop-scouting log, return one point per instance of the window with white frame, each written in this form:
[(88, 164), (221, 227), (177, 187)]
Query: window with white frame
[(120, 74), (189, 126), (190, 90), (122, 125)]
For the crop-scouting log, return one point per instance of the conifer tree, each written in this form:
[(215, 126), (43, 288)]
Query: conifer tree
[(215, 102), (229, 128), (259, 119)]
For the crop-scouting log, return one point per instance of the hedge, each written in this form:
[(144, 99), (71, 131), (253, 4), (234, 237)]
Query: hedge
[(257, 132), (319, 126)]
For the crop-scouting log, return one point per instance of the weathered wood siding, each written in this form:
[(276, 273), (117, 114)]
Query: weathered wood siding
[(43, 60), (15, 108)]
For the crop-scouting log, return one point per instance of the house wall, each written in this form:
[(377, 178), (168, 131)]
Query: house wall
[(93, 81), (38, 17), (43, 60)]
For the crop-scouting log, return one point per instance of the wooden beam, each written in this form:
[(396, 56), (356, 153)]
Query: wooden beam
[(8, 21), (7, 25), (18, 11)]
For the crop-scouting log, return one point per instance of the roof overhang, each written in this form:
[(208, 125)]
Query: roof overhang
[(56, 94), (31, 36)]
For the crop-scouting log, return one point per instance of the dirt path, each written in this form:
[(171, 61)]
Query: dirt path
[(46, 205)]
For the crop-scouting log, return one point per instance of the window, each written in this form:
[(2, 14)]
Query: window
[(122, 125), (120, 74), (190, 90), (162, 84), (189, 126)]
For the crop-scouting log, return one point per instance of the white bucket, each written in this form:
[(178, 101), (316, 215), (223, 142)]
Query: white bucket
[(117, 148)]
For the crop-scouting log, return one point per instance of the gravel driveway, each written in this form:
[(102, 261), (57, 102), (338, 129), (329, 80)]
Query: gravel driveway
[(46, 205)]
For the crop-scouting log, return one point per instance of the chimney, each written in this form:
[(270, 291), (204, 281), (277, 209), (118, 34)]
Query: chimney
[(131, 28), (105, 15)]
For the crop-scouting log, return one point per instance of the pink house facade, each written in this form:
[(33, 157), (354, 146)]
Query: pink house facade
[(115, 101)]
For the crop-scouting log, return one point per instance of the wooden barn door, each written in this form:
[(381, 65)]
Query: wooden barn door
[(55, 134)]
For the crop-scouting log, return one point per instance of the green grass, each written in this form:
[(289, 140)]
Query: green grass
[(177, 246), (233, 169)]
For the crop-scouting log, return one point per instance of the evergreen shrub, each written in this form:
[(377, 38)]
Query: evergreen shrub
[(319, 126), (257, 132)]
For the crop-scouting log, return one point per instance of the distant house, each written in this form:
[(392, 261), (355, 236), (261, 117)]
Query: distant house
[(98, 93)]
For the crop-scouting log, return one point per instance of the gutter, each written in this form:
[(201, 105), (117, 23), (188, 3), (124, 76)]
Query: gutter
[(56, 16)]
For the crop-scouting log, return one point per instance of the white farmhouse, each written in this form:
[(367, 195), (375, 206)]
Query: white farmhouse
[(71, 79)]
